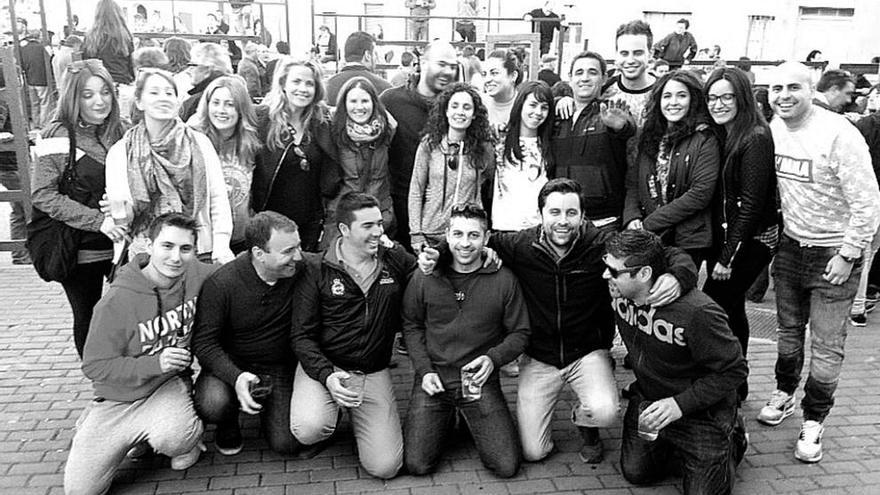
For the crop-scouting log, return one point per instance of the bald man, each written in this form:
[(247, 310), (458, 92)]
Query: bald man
[(830, 213), (409, 105)]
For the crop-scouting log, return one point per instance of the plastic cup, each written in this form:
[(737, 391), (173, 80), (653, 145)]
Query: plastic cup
[(355, 383), (262, 388), (470, 389), (645, 432), (117, 210)]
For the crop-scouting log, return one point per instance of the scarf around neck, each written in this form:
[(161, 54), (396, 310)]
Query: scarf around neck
[(364, 133), (165, 174)]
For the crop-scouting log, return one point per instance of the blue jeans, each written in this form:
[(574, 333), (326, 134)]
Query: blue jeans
[(709, 444), (217, 403), (803, 296), (430, 419)]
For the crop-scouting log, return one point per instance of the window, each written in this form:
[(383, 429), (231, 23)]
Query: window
[(826, 12), (758, 35)]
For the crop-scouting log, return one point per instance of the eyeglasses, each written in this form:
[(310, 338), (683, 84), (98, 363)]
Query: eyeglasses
[(726, 99), (452, 156), (149, 71), (79, 65), (616, 272)]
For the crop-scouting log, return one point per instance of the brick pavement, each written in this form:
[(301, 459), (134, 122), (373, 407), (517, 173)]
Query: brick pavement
[(42, 392)]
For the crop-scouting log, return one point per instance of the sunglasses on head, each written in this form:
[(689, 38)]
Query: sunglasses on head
[(79, 65), (466, 209), (616, 272)]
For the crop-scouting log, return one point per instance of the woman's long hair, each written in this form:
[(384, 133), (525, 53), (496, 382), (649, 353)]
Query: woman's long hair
[(108, 30), (478, 136), (340, 117), (747, 118), (279, 106), (543, 94), (178, 52), (657, 127), (73, 83), (244, 136)]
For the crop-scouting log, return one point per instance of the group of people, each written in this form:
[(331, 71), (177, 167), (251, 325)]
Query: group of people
[(283, 245)]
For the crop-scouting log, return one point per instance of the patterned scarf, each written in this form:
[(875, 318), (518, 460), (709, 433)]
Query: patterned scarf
[(165, 174), (364, 133)]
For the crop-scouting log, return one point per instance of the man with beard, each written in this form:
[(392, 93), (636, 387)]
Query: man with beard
[(242, 333), (409, 105), (559, 265), (349, 306), (590, 147)]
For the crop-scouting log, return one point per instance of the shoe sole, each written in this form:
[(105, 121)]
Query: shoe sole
[(228, 451), (858, 323), (807, 460), (769, 422)]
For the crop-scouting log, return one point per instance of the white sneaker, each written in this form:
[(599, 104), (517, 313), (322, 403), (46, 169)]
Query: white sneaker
[(185, 461), (809, 444), (779, 407)]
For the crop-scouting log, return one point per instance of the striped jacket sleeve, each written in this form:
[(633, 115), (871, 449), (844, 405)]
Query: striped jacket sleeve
[(51, 158)]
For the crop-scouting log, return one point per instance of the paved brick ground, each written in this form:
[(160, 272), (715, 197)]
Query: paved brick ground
[(42, 392)]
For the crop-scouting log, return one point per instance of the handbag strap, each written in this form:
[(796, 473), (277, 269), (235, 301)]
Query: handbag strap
[(69, 173)]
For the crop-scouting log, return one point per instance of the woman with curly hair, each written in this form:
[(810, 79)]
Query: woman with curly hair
[(670, 190), (296, 171), (68, 181), (452, 162), (110, 41), (226, 115), (362, 131)]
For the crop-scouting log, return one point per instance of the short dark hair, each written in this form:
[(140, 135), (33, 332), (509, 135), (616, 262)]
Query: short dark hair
[(357, 44), (282, 47), (603, 66), (173, 219), (638, 248), (351, 202), (470, 211), (511, 63), (687, 23), (564, 186), (833, 79), (259, 228), (406, 59), (635, 28)]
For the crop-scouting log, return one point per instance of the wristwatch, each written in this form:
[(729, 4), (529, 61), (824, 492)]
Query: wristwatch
[(848, 259)]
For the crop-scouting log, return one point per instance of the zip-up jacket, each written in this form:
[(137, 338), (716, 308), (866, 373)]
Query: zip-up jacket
[(290, 184), (133, 323), (337, 324), (568, 300), (746, 194), (673, 47), (447, 327), (684, 219), (594, 156)]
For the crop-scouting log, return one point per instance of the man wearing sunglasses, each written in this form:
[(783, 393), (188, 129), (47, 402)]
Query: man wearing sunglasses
[(559, 264), (688, 365)]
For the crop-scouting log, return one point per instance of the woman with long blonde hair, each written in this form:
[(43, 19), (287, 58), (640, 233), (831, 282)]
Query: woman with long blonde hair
[(297, 172)]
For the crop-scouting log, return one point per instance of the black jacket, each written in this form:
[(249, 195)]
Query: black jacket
[(336, 324), (568, 300), (746, 195), (290, 184), (191, 104), (870, 128), (685, 220), (594, 156)]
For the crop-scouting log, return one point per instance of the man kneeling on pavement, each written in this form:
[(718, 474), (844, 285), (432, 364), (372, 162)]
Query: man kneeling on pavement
[(687, 364)]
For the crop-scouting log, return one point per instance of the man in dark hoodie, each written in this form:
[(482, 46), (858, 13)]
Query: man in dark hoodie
[(463, 317), (348, 311), (678, 47), (688, 365), (559, 264), (209, 61), (137, 357)]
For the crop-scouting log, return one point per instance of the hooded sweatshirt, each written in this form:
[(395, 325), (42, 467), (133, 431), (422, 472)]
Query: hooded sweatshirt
[(132, 324)]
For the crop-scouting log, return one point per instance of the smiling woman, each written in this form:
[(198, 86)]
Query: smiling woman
[(162, 166)]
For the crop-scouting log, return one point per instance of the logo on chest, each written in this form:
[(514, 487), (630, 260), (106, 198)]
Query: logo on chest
[(385, 278), (647, 322), (337, 288)]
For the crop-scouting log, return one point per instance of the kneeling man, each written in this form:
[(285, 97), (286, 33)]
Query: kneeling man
[(463, 318), (137, 357), (688, 365)]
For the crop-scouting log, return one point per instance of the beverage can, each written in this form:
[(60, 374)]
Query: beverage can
[(470, 389)]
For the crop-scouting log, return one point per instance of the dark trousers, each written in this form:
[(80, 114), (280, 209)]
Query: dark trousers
[(83, 289), (430, 420), (217, 403), (709, 444), (699, 255), (730, 294), (804, 296)]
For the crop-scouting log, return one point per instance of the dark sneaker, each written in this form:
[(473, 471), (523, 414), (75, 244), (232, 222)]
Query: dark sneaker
[(858, 320), (228, 440), (870, 306), (592, 454), (139, 452)]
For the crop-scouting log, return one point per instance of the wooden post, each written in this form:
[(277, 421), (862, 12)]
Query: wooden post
[(19, 143)]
